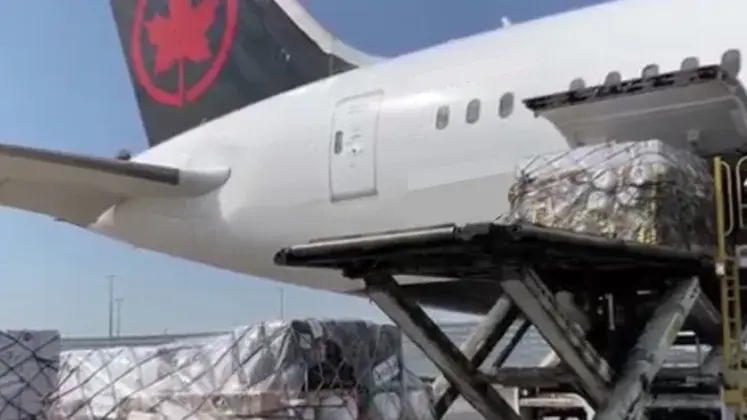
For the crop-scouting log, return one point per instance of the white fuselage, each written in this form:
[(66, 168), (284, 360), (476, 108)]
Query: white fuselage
[(394, 168)]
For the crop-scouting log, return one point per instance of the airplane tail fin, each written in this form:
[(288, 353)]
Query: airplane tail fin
[(191, 61)]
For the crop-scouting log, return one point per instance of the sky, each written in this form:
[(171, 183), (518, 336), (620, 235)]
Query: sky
[(64, 86)]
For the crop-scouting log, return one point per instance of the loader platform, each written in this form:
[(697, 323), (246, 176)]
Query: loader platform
[(481, 250)]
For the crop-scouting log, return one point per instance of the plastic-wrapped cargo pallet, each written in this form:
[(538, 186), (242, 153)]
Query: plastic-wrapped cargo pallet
[(29, 362), (646, 192), (301, 369)]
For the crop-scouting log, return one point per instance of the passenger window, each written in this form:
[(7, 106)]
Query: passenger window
[(473, 111), (731, 62), (442, 117), (650, 70), (690, 63), (338, 142), (506, 105)]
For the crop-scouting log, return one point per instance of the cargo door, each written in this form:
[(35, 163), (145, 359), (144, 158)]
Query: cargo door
[(353, 147), (702, 108)]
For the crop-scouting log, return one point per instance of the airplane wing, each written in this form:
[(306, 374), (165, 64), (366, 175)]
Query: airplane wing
[(78, 189)]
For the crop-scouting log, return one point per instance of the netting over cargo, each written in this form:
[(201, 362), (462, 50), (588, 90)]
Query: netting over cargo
[(286, 369), (647, 192), (29, 361)]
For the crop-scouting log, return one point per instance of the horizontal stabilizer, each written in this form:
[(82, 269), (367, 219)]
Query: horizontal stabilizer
[(78, 189)]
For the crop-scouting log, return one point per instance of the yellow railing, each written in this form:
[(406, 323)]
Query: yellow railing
[(727, 270)]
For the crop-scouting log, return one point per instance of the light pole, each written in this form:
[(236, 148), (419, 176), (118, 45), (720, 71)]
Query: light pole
[(282, 303), (119, 316), (110, 277)]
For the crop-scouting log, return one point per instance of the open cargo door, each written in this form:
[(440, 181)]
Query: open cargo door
[(705, 107)]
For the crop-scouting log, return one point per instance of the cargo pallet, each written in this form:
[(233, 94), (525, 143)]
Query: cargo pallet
[(629, 300)]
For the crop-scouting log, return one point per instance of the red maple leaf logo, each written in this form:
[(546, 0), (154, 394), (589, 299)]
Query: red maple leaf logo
[(182, 34)]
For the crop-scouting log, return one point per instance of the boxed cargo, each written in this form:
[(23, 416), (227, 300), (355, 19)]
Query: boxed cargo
[(647, 192)]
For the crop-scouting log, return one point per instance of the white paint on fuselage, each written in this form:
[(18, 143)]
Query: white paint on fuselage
[(279, 149)]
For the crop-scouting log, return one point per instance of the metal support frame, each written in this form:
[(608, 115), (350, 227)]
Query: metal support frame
[(666, 402), (706, 321), (474, 387), (629, 396), (561, 376), (500, 360), (476, 348), (538, 305)]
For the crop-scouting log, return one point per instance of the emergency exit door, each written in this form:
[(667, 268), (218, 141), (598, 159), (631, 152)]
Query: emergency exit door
[(353, 147)]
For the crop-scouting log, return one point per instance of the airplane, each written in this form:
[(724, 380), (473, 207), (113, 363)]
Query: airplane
[(265, 130)]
